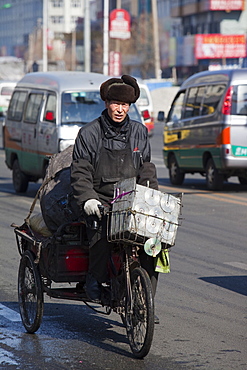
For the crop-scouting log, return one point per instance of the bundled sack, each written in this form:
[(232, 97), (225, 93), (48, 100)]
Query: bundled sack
[(38, 225), (56, 196)]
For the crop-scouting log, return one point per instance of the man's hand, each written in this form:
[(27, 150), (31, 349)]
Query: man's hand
[(91, 207)]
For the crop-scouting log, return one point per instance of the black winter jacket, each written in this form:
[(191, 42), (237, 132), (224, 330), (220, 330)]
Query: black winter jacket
[(87, 150)]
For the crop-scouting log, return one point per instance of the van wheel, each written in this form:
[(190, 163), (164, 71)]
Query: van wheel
[(20, 180), (175, 174), (242, 180), (213, 178)]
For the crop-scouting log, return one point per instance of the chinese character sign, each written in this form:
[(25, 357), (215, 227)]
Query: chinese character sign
[(120, 24), (115, 64), (214, 46), (226, 5)]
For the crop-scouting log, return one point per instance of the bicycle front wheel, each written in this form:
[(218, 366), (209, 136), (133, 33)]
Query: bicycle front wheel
[(139, 318)]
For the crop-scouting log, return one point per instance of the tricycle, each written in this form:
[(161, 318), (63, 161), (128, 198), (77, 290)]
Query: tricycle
[(63, 258), (140, 219)]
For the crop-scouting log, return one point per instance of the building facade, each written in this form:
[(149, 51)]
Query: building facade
[(206, 34), (193, 35), (21, 29)]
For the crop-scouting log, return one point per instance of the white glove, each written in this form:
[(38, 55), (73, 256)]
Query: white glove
[(91, 207)]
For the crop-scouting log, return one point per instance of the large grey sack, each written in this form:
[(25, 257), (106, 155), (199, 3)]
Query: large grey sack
[(56, 196)]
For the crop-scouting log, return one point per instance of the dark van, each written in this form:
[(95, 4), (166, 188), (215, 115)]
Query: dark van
[(206, 128)]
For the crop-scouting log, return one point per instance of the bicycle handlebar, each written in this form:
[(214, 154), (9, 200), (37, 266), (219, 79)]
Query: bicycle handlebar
[(93, 220)]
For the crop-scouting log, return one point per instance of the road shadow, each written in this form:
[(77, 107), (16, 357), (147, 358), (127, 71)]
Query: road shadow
[(79, 322), (66, 324), (237, 284), (7, 187)]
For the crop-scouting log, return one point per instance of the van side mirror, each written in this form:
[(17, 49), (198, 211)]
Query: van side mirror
[(49, 116), (161, 116)]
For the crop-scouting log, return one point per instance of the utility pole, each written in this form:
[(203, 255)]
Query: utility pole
[(87, 37), (156, 39), (106, 38), (73, 50), (118, 6), (45, 24)]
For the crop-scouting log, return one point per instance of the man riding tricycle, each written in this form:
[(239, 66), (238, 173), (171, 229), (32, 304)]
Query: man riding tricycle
[(112, 233)]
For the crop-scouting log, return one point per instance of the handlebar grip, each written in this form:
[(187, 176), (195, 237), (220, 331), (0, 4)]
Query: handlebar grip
[(94, 225), (93, 220), (101, 209)]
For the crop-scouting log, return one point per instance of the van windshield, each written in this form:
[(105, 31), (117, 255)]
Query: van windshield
[(84, 106), (81, 107)]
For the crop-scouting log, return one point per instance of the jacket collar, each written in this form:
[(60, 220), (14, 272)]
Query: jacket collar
[(112, 131)]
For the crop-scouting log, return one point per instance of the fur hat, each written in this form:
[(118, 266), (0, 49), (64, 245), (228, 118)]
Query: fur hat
[(123, 89)]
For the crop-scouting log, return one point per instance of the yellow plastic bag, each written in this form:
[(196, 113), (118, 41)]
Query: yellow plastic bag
[(163, 261)]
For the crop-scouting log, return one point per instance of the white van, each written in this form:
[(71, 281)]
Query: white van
[(145, 105), (45, 114)]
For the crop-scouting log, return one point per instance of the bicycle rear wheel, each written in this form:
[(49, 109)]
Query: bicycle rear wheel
[(139, 319), (30, 293)]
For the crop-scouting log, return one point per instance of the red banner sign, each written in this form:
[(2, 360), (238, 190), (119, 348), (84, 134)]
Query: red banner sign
[(119, 24), (214, 46), (115, 64), (226, 5)]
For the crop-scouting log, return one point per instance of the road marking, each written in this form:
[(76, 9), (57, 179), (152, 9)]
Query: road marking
[(241, 201), (9, 314), (234, 197), (158, 159), (239, 265), (222, 197)]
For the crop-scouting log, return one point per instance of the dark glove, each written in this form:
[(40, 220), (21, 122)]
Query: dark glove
[(147, 175)]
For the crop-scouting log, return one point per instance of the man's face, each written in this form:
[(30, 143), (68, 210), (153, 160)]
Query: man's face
[(117, 110)]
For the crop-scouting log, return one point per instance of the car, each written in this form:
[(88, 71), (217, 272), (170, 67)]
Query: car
[(6, 90)]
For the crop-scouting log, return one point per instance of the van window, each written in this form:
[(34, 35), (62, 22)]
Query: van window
[(33, 107), (239, 100), (193, 102), (175, 113), (50, 108), (212, 98), (203, 100), (16, 105)]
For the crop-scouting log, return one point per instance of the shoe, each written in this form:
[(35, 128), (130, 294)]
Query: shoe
[(156, 319), (93, 288)]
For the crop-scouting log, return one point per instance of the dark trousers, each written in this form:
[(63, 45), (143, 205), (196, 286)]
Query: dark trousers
[(99, 255)]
